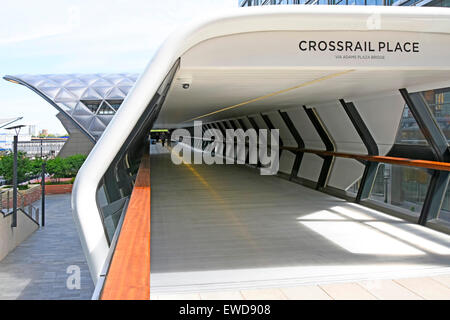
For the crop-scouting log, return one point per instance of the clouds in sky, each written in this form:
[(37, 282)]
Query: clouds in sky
[(84, 36)]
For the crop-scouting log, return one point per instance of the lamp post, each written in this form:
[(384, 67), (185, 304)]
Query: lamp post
[(43, 187), (16, 138)]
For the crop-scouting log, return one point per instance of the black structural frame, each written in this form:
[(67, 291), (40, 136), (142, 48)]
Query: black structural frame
[(244, 127), (226, 127), (220, 127), (256, 127), (14, 215), (329, 146), (440, 147), (370, 170), (298, 139), (269, 125)]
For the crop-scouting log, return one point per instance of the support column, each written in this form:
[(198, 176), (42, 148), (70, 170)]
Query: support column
[(256, 127), (438, 143), (298, 139), (329, 146), (270, 125), (219, 127), (244, 127), (226, 127), (14, 216), (370, 170)]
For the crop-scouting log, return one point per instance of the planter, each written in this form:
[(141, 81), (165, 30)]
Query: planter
[(58, 188), (26, 197)]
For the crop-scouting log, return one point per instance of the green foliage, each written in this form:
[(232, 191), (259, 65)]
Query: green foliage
[(6, 166), (65, 167), (59, 182), (35, 167), (74, 164), (58, 167)]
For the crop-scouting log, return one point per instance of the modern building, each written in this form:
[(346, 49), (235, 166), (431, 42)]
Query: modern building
[(42, 147), (7, 137), (86, 103)]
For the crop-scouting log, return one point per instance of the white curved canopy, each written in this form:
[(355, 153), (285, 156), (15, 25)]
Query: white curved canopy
[(260, 60)]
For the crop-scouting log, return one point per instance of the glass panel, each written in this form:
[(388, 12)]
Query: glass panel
[(92, 105), (105, 109), (403, 187), (115, 104), (439, 102), (438, 3), (408, 130), (444, 215), (353, 189), (374, 2)]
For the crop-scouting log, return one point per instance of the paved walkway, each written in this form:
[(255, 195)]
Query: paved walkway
[(225, 228), (426, 288), (37, 269)]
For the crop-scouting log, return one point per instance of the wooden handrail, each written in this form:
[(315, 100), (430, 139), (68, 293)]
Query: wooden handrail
[(128, 277), (444, 166)]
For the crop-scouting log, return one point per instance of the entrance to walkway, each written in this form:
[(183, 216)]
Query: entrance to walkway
[(227, 227)]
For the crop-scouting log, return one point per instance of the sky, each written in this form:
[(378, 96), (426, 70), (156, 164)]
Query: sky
[(82, 36)]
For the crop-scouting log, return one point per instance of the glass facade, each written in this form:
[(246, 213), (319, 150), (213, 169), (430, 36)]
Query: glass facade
[(408, 130), (405, 187), (439, 102)]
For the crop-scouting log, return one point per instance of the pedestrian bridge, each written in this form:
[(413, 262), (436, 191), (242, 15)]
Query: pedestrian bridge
[(361, 187)]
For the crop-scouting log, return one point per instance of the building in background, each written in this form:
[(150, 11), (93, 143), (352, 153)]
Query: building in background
[(7, 137), (86, 103), (32, 130), (42, 147)]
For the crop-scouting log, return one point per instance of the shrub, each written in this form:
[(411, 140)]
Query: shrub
[(74, 164), (6, 166), (36, 166), (58, 168)]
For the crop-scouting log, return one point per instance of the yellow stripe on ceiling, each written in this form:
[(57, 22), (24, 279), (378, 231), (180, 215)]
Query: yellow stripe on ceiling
[(304, 84)]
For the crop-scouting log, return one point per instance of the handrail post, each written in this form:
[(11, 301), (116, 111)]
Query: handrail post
[(43, 195), (14, 217)]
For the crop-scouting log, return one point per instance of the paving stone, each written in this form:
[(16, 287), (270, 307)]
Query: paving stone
[(305, 293), (263, 294), (347, 291), (36, 269), (427, 288)]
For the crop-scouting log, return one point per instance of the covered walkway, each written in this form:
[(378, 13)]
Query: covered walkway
[(225, 227)]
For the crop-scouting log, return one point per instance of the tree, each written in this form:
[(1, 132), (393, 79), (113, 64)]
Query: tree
[(74, 164), (35, 166), (23, 166), (58, 168)]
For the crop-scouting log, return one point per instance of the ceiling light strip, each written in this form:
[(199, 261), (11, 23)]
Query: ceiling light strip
[(304, 84)]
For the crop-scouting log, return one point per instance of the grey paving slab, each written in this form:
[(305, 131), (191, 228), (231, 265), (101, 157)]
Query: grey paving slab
[(37, 268), (225, 227)]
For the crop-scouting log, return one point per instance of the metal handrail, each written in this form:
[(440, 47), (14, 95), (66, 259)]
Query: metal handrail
[(29, 209)]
